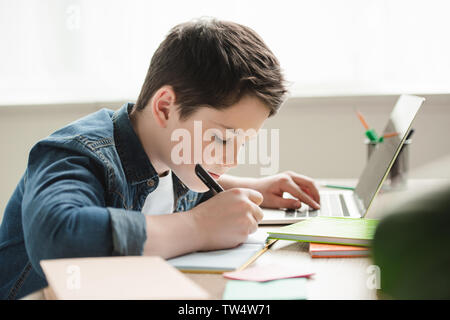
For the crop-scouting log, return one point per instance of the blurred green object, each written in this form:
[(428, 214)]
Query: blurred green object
[(371, 134), (412, 247)]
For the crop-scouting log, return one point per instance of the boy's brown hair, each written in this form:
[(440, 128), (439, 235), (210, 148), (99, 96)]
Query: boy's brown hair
[(214, 63)]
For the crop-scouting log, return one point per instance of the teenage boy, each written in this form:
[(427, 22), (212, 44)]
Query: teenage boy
[(87, 184)]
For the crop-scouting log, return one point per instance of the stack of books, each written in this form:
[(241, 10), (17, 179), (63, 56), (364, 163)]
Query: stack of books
[(331, 237)]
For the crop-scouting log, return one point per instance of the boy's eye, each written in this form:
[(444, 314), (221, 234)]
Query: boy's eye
[(219, 140)]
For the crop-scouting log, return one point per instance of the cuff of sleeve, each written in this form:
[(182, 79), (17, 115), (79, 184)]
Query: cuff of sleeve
[(128, 231), (205, 196)]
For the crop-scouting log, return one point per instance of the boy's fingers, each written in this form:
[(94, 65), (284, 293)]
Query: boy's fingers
[(253, 225), (254, 196), (277, 202), (288, 203), (257, 213), (309, 184), (295, 190)]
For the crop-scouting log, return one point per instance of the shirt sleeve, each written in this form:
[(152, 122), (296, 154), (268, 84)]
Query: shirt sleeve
[(128, 231), (64, 213), (204, 197)]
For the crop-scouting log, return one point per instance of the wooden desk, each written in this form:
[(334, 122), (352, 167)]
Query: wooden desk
[(343, 278), (335, 278)]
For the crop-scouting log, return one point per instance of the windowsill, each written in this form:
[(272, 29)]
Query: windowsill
[(293, 96)]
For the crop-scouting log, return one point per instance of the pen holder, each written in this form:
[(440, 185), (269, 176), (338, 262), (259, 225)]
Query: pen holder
[(398, 175)]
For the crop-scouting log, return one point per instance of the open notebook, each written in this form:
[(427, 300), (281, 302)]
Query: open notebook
[(219, 261)]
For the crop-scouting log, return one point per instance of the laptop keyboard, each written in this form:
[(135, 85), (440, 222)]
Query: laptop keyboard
[(330, 205)]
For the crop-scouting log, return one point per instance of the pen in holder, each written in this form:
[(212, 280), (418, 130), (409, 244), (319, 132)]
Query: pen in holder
[(398, 175)]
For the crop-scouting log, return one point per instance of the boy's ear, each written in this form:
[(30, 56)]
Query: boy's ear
[(163, 105)]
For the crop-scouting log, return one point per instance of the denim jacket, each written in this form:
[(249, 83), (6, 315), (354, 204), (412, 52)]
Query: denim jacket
[(80, 196)]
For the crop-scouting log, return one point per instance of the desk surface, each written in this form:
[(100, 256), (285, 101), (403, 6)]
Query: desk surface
[(343, 278), (335, 278)]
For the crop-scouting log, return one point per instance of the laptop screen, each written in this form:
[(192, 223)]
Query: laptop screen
[(385, 153)]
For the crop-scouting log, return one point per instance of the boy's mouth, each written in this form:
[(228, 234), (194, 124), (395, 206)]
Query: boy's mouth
[(215, 176)]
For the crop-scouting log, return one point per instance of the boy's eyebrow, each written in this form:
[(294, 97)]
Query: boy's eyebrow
[(234, 131), (224, 126)]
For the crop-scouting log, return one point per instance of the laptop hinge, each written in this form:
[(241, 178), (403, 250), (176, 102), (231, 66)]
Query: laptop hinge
[(359, 205)]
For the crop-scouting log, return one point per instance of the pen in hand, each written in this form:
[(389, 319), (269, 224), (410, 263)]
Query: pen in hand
[(207, 179)]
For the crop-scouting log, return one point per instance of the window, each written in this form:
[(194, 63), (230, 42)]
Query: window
[(99, 50)]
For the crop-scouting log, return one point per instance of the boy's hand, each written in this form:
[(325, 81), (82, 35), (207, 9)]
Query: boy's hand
[(227, 219), (301, 187)]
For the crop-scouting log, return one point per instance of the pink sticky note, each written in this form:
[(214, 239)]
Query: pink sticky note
[(267, 273)]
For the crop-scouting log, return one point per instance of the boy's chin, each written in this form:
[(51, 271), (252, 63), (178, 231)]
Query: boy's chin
[(192, 181), (198, 187)]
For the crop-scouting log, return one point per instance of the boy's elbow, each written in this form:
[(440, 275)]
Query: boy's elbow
[(67, 233)]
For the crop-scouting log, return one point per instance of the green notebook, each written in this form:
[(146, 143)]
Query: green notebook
[(334, 230)]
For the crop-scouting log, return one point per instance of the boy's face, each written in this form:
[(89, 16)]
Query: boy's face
[(212, 138)]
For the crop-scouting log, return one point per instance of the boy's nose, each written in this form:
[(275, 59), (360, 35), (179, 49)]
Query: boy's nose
[(230, 163)]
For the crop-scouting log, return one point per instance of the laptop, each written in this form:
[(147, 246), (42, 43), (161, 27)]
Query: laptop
[(354, 204)]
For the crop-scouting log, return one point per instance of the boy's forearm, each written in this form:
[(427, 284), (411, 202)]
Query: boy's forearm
[(228, 182), (172, 235)]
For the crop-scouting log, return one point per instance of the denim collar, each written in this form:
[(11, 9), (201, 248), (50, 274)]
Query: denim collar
[(135, 163)]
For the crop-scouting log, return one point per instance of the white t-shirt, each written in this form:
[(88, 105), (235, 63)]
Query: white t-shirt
[(160, 201)]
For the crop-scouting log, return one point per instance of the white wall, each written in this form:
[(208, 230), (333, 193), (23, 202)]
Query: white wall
[(320, 137)]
